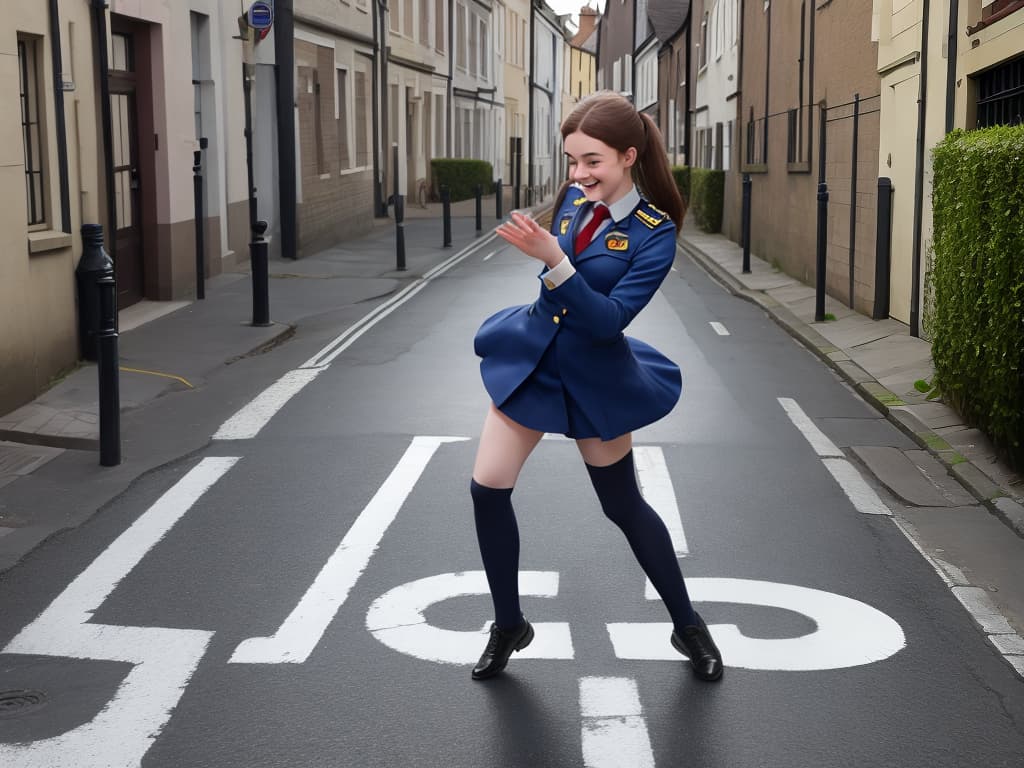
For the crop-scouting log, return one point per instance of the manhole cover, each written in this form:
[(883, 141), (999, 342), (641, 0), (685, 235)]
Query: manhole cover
[(14, 703)]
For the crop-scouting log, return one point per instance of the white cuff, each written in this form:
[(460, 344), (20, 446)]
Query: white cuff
[(558, 274)]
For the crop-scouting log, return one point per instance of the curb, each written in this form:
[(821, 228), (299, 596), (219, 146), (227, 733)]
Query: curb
[(887, 403)]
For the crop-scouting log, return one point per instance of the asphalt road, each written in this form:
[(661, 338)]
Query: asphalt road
[(312, 596)]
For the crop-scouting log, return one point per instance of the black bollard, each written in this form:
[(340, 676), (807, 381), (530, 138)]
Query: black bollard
[(446, 214), (197, 193), (746, 223), (498, 193), (479, 209), (883, 249), (94, 265), (819, 287), (107, 368), (260, 275), (400, 233)]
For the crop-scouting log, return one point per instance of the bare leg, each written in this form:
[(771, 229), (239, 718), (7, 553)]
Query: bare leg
[(504, 448)]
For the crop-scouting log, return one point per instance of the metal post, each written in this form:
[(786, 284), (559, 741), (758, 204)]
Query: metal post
[(197, 189), (479, 209), (517, 169), (822, 244), (853, 193), (746, 223), (400, 233), (260, 275), (446, 214), (399, 201), (107, 368), (499, 192), (883, 249)]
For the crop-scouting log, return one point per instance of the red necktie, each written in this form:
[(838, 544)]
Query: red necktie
[(586, 234)]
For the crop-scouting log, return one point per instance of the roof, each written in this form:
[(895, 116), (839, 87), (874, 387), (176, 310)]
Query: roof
[(668, 17)]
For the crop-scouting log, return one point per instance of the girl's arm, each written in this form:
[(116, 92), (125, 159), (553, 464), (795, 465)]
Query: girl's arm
[(605, 317)]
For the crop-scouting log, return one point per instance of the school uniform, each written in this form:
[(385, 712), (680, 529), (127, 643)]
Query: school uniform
[(562, 364)]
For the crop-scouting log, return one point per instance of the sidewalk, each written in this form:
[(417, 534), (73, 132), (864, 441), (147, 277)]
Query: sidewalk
[(174, 348), (881, 361)]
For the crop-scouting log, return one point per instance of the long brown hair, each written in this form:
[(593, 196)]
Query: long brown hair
[(610, 117)]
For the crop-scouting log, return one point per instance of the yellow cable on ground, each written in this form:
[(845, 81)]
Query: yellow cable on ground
[(157, 373)]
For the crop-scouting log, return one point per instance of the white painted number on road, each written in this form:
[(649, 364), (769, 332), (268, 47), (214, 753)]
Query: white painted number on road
[(849, 633), (397, 619)]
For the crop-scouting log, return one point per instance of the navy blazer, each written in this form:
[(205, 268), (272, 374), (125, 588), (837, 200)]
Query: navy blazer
[(620, 383)]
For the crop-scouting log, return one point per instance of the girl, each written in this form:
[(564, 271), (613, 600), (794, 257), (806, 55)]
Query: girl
[(563, 365)]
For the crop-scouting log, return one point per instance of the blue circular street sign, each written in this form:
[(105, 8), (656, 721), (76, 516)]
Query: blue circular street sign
[(261, 15)]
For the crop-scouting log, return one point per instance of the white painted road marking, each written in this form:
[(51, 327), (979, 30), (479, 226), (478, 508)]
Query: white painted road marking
[(300, 633), (821, 444), (253, 416), (396, 618), (489, 255), (849, 633), (658, 491), (614, 731), (860, 494), (164, 659), (856, 488), (720, 329)]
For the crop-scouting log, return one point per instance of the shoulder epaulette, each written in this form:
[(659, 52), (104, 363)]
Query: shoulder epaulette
[(650, 216)]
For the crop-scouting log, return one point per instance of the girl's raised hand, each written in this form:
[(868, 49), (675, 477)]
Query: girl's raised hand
[(532, 239)]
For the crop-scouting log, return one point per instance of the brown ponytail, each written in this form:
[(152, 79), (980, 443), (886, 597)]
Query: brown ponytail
[(611, 118), (654, 175)]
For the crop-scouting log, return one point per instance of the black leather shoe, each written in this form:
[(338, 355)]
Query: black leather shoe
[(500, 647), (704, 655)]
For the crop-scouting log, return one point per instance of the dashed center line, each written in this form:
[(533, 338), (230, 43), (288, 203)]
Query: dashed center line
[(720, 329)]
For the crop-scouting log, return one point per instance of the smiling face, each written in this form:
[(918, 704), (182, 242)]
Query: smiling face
[(602, 171)]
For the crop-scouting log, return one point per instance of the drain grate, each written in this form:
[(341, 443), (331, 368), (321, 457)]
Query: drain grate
[(15, 703)]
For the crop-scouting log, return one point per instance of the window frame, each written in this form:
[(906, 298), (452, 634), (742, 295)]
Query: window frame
[(30, 90)]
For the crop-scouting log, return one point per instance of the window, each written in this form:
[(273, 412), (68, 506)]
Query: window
[(439, 26), (460, 35), (703, 60), (472, 45), (408, 19), (362, 116), (425, 24), (29, 54), (318, 129), (341, 116), (439, 148), (483, 49)]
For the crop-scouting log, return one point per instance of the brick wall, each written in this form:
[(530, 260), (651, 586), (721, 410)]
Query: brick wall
[(335, 203)]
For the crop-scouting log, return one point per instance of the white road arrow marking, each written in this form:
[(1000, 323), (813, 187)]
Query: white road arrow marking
[(397, 619), (120, 735), (850, 633), (300, 633), (614, 730)]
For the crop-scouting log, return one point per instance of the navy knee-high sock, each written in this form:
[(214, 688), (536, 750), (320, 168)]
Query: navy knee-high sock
[(647, 535), (498, 536)]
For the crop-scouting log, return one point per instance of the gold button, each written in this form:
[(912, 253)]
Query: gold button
[(564, 311), (555, 319)]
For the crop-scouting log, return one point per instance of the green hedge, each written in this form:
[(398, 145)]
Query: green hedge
[(681, 174), (978, 281), (461, 176), (708, 197)]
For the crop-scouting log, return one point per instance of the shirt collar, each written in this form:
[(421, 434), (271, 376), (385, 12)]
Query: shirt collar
[(625, 205)]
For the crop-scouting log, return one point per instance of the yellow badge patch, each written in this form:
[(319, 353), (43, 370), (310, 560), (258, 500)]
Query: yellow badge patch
[(564, 226), (579, 200), (617, 242)]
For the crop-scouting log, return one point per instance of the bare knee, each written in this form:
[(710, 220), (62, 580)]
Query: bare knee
[(602, 453)]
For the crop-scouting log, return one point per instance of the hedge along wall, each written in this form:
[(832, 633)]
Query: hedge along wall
[(681, 175), (978, 281), (461, 176), (707, 189)]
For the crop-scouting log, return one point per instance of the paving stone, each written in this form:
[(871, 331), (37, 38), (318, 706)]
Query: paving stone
[(897, 472)]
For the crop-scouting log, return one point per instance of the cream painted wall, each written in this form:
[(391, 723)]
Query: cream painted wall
[(37, 295), (517, 92)]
